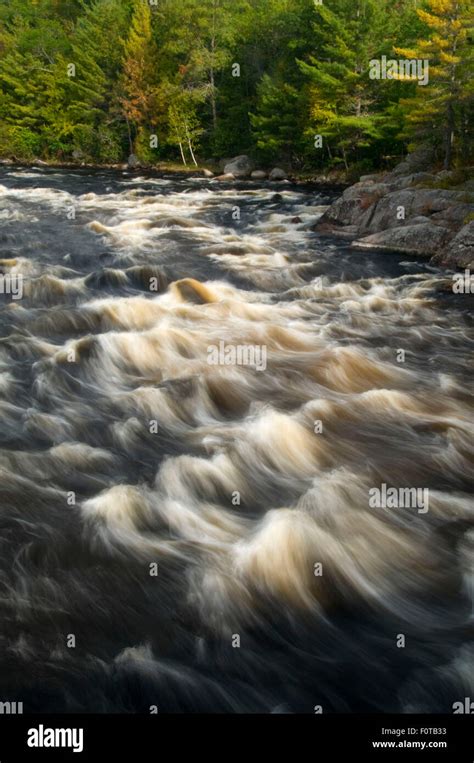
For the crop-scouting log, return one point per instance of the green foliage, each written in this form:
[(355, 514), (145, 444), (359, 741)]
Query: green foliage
[(344, 101), (178, 80), (441, 113), (278, 133), (20, 142)]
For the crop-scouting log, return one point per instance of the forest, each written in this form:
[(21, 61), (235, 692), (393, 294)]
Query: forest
[(301, 82)]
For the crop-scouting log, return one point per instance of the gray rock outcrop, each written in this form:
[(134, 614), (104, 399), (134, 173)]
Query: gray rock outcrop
[(459, 253), (401, 212), (278, 174), (239, 167)]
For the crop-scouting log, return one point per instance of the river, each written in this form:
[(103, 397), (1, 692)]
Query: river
[(201, 399)]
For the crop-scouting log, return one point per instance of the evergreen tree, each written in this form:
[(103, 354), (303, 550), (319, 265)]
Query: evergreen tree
[(439, 113), (99, 78), (30, 45), (88, 98), (137, 82), (280, 121), (347, 37)]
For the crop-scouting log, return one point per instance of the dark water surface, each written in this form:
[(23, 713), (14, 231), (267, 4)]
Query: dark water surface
[(124, 453)]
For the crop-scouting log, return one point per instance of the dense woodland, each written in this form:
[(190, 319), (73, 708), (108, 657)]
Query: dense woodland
[(197, 80)]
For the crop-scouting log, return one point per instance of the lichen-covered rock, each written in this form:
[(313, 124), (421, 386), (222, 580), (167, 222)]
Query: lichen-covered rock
[(347, 210), (417, 161), (396, 208), (395, 212), (424, 239), (454, 215), (459, 253), (407, 181)]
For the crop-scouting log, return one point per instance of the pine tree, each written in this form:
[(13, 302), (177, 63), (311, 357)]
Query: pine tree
[(342, 96), (98, 78), (440, 112), (82, 83), (139, 94), (279, 112), (30, 45), (279, 121)]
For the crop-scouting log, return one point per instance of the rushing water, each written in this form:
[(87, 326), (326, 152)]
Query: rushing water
[(200, 537)]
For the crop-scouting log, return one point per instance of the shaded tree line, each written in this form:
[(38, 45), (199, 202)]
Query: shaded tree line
[(283, 80)]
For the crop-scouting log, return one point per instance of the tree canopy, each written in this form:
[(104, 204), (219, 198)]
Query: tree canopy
[(284, 80)]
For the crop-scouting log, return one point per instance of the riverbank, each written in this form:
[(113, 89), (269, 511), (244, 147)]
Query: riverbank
[(408, 211), (169, 167), (310, 182), (209, 169)]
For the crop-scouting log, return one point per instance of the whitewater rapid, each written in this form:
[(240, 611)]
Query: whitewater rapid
[(204, 529)]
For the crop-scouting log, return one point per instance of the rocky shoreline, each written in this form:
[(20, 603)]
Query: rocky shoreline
[(403, 211)]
